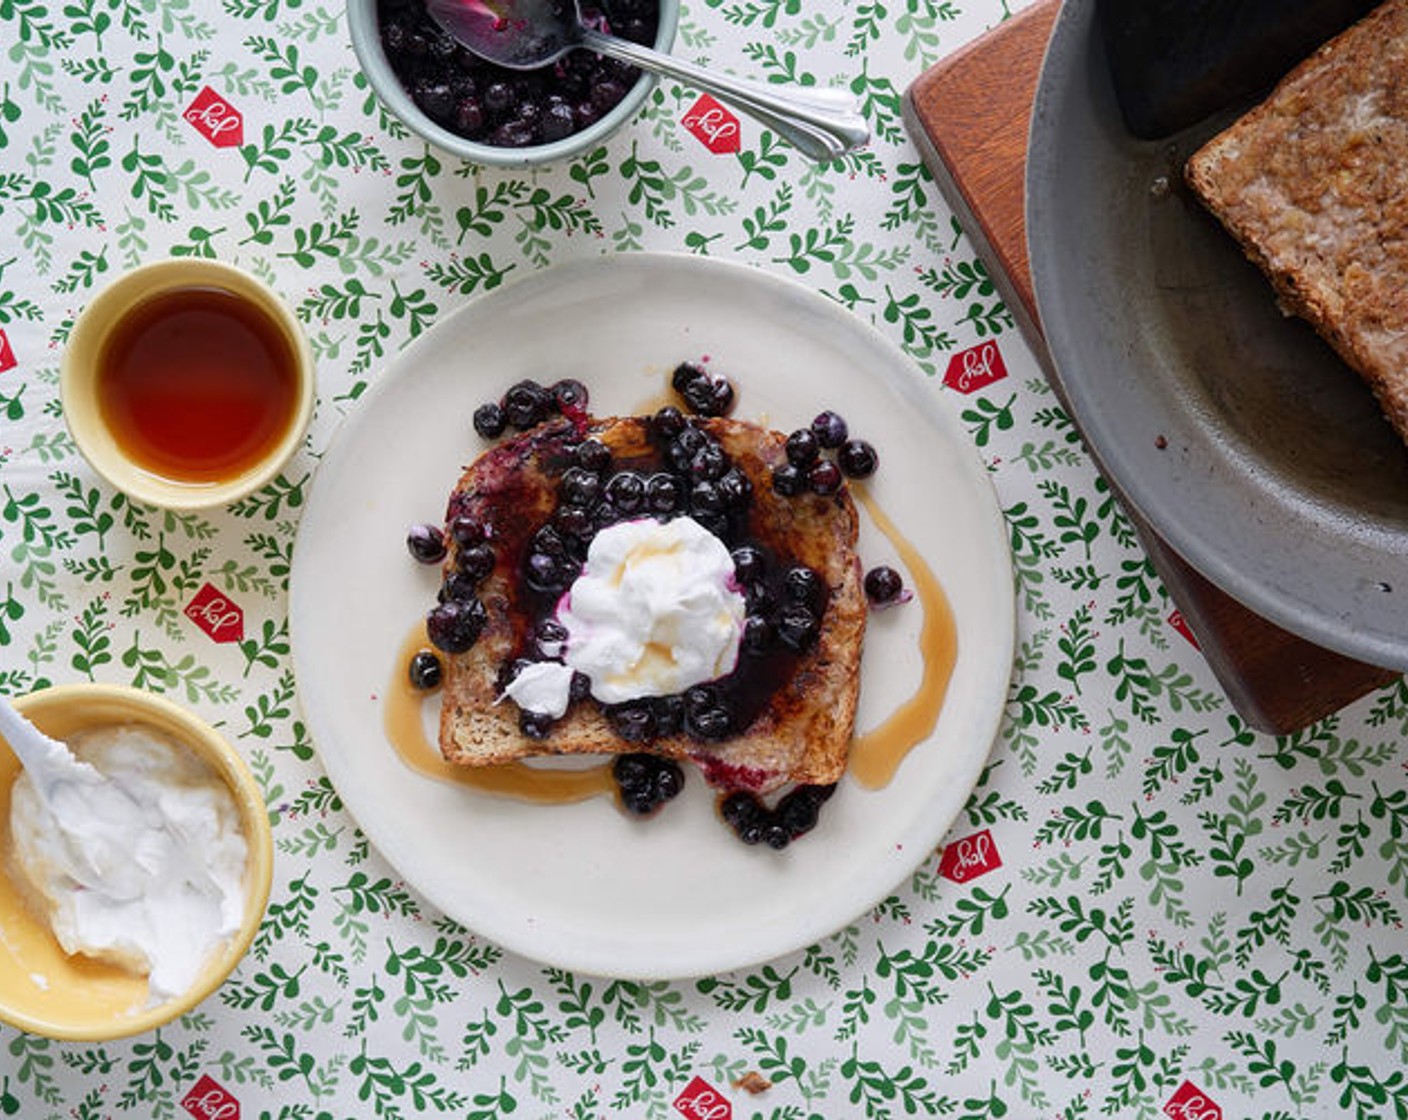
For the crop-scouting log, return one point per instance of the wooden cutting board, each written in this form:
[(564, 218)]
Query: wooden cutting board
[(969, 116)]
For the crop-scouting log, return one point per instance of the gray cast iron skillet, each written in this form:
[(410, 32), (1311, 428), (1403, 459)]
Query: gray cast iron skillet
[(1245, 442)]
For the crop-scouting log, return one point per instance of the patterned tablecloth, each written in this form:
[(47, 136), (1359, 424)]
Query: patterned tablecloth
[(1157, 910)]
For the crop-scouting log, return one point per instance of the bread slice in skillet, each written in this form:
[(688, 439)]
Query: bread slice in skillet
[(1311, 184)]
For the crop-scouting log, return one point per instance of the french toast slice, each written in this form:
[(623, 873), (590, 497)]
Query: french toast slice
[(1310, 184), (797, 709)]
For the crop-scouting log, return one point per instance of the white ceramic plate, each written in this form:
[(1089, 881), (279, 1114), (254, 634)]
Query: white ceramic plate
[(583, 886)]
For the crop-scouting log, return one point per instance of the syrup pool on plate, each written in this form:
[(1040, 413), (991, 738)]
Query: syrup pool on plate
[(197, 384)]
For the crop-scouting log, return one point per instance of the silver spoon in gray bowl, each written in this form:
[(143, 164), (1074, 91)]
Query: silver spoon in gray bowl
[(525, 34)]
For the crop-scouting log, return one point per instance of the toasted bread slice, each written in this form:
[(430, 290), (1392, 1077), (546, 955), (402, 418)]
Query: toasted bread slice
[(801, 729), (1311, 184)]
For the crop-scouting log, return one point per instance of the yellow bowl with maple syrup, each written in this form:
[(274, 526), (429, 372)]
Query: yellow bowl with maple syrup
[(187, 383), (75, 998)]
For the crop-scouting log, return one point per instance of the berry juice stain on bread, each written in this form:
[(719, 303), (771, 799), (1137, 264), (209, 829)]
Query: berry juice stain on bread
[(1312, 185)]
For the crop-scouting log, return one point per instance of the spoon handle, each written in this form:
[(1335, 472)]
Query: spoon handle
[(822, 124)]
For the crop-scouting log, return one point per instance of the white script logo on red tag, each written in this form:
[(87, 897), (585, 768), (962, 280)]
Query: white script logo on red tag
[(7, 355), (713, 126), (970, 857), (216, 614), (975, 368), (208, 1101), (1179, 623), (1191, 1103), (701, 1101), (216, 119)]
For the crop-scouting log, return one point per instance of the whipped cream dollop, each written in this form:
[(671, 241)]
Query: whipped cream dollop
[(132, 847), (655, 610)]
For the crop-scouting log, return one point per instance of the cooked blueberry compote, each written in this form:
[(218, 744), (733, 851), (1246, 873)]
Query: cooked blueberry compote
[(511, 108)]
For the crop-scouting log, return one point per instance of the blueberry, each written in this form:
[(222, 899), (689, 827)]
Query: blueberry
[(667, 423), (490, 421), (710, 723), (576, 526), (685, 375), (883, 584), (803, 447), (787, 480), (535, 725), (706, 498), (759, 597), (709, 462), (498, 98), (548, 638), (805, 586), (639, 802), (466, 530), (593, 455), (426, 543), (580, 487), (458, 585), (857, 458), (736, 488), (548, 574), (626, 491), (426, 671), (476, 562), (646, 781), (632, 771), (527, 404), (798, 811), (742, 808), (669, 715), (469, 117), (685, 446), (711, 397), (606, 94), (797, 628), (824, 478), (435, 99), (664, 493), (830, 429), (749, 563), (757, 635), (558, 123), (776, 836), (549, 540), (633, 722), (569, 394), (580, 687), (669, 782), (455, 625)]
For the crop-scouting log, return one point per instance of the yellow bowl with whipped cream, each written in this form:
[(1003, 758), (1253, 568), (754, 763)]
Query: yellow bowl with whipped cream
[(48, 991)]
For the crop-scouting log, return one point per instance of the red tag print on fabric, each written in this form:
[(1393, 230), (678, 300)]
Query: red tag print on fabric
[(216, 614), (1191, 1103), (975, 368), (701, 1101), (209, 1101), (7, 355), (970, 857), (713, 126), (216, 119), (1179, 623)]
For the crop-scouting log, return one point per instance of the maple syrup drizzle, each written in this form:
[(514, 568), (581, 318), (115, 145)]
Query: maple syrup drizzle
[(877, 754), (403, 720)]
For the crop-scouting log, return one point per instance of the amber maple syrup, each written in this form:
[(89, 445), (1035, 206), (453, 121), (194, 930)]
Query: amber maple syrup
[(197, 384)]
